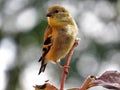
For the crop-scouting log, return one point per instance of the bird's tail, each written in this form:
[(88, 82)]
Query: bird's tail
[(43, 65)]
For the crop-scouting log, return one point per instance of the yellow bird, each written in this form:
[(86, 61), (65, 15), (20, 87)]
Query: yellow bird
[(59, 36)]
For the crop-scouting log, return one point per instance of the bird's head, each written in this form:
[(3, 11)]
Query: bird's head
[(58, 15)]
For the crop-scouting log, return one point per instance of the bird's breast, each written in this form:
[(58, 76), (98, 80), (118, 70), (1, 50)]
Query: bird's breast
[(62, 41)]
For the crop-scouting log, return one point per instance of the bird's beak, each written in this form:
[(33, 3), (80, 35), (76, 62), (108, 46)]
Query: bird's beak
[(49, 15)]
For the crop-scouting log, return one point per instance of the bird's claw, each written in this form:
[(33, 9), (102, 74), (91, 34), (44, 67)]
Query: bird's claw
[(65, 69)]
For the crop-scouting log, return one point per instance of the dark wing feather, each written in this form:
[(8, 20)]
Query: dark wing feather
[(46, 47)]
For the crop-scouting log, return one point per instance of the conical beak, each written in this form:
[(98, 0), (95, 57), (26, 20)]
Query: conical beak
[(49, 15)]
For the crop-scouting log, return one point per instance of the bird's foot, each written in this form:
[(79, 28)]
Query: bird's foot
[(63, 68)]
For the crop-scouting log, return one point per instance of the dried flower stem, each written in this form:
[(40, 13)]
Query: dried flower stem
[(87, 83)]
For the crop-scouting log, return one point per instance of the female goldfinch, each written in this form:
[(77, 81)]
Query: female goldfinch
[(59, 36)]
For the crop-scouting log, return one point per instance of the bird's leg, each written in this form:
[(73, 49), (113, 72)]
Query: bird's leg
[(63, 68)]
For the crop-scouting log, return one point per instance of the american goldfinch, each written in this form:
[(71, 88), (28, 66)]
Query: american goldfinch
[(59, 36)]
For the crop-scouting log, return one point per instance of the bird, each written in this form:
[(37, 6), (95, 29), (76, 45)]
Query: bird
[(59, 35)]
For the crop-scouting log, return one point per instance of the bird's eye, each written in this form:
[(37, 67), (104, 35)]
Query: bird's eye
[(56, 11)]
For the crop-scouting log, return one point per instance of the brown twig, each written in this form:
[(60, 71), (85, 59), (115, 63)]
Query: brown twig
[(67, 64), (87, 83)]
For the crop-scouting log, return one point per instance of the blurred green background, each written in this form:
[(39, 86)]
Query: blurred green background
[(22, 24)]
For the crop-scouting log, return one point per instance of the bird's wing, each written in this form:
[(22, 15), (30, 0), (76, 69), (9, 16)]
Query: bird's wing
[(46, 47)]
